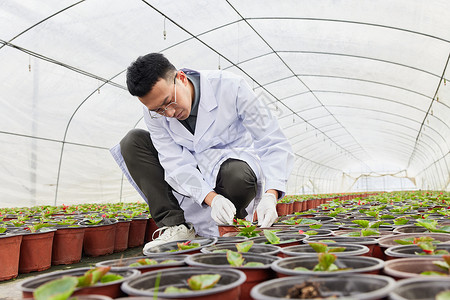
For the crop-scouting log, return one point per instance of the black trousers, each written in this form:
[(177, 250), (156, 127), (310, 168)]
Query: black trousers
[(236, 180)]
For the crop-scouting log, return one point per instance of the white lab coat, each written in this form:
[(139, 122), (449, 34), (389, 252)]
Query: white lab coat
[(231, 123)]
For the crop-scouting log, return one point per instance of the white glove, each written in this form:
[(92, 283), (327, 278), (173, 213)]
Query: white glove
[(222, 210), (267, 210)]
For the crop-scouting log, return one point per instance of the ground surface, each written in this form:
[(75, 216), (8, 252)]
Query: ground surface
[(9, 290)]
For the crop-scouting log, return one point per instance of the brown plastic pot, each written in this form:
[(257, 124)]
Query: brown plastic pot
[(254, 275), (36, 251), (67, 245), (151, 227), (228, 287), (356, 264), (410, 267), (121, 236), (110, 289), (136, 235), (9, 256), (99, 239), (352, 286)]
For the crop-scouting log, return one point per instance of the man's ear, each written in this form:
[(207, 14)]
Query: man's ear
[(182, 76)]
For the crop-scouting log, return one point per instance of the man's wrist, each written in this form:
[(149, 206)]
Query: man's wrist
[(209, 197), (273, 192)]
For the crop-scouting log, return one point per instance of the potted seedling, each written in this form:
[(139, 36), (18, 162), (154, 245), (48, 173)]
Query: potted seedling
[(187, 283), (425, 244), (326, 263), (180, 247), (81, 281), (284, 240)]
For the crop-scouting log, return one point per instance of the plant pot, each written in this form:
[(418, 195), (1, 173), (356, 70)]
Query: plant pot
[(36, 251), (165, 249), (231, 239), (256, 248), (370, 242), (110, 289), (67, 245), (410, 229), (410, 267), (389, 241), (9, 256), (136, 236), (357, 286), (307, 250), (150, 229), (99, 239), (121, 236), (282, 209), (228, 287), (410, 251), (357, 264), (422, 288), (254, 275), (124, 264), (285, 240)]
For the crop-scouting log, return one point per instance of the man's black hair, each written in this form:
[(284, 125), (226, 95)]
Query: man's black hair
[(143, 74)]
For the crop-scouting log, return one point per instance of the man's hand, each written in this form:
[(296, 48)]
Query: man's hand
[(266, 210), (222, 210)]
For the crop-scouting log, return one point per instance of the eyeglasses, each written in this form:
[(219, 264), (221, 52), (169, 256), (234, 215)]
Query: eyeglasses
[(161, 111)]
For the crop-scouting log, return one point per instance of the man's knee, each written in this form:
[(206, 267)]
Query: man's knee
[(236, 175), (135, 139)]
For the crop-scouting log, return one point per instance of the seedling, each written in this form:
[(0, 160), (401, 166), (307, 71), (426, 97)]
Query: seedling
[(246, 229), (272, 238), (185, 246), (150, 262), (366, 228), (432, 225), (326, 258), (444, 264), (196, 283), (426, 243), (62, 288), (236, 260)]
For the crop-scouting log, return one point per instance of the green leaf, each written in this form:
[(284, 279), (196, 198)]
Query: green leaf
[(441, 252), (441, 264), (445, 295), (253, 264), (244, 246), (311, 232), (361, 223), (405, 241), (400, 221), (387, 217), (315, 226), (368, 232), (326, 261), (59, 289), (146, 261), (187, 245), (168, 261), (444, 229), (110, 277), (271, 237), (173, 289), (446, 258), (203, 281), (336, 249), (319, 247), (235, 258), (427, 223), (433, 273)]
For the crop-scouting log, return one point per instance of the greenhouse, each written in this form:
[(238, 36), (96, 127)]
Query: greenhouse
[(345, 106)]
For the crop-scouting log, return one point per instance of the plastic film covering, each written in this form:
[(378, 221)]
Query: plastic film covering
[(360, 88)]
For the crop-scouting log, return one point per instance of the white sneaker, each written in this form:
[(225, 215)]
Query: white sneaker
[(170, 234)]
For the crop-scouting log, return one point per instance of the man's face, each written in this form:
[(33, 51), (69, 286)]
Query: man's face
[(169, 98)]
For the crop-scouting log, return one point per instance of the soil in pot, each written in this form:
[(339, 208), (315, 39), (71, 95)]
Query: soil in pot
[(228, 287), (356, 286)]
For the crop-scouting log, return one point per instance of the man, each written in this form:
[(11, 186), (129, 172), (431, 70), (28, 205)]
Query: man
[(211, 149)]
